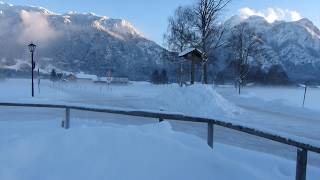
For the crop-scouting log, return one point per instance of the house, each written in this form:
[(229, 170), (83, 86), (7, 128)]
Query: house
[(195, 56), (120, 80), (71, 77)]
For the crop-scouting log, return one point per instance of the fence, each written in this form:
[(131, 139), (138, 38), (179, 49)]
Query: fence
[(302, 148)]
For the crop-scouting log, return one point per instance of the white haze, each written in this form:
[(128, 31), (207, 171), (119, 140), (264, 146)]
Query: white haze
[(271, 14), (36, 28)]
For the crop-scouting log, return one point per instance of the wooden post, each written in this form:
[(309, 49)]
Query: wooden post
[(161, 119), (301, 169), (210, 134), (67, 119), (304, 96)]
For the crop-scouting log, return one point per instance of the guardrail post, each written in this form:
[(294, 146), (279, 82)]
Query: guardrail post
[(161, 119), (210, 134), (301, 169), (67, 119)]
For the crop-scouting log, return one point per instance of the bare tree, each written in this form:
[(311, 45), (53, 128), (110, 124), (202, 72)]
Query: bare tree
[(209, 32), (244, 43), (180, 34), (197, 27)]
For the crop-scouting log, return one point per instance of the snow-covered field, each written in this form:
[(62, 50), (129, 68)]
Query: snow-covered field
[(95, 150), (279, 110), (289, 96), (104, 146)]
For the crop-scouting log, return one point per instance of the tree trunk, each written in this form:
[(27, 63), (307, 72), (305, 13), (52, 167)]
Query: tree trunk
[(239, 87), (192, 72), (181, 74), (205, 73)]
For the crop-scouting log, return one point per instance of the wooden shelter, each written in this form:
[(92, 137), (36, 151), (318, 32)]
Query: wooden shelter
[(195, 56)]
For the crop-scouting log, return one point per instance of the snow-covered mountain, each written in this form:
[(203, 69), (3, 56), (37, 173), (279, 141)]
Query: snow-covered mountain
[(293, 45), (75, 42)]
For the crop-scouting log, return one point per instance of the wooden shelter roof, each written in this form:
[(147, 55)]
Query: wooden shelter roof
[(191, 54)]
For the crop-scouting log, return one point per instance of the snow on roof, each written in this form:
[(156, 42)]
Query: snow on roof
[(189, 50), (86, 76), (302, 85), (186, 51)]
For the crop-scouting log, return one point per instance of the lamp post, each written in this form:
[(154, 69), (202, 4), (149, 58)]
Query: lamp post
[(32, 48)]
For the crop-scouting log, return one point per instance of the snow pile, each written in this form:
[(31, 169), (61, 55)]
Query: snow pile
[(198, 100), (112, 152)]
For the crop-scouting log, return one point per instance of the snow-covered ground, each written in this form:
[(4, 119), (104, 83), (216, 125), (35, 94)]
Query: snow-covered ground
[(289, 96), (94, 150), (275, 110), (279, 110)]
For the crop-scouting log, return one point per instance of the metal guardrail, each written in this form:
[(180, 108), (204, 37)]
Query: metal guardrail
[(302, 148)]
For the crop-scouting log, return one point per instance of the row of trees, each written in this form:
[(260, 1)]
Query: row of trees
[(275, 75), (199, 26)]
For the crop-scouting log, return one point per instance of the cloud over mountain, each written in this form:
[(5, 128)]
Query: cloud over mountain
[(36, 28), (75, 42), (271, 14)]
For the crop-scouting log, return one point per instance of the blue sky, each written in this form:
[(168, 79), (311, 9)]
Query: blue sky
[(150, 16)]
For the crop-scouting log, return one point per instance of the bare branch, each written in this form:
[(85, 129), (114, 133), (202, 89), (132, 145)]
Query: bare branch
[(244, 43), (179, 34), (197, 27)]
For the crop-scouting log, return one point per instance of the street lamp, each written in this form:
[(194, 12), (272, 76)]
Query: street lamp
[(32, 48)]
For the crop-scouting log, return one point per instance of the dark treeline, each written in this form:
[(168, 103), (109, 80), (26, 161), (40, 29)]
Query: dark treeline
[(275, 75)]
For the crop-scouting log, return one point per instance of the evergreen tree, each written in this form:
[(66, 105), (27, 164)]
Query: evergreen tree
[(155, 77), (53, 75), (277, 75), (59, 76), (164, 77)]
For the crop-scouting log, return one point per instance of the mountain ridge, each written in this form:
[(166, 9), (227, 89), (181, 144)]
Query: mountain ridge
[(85, 42), (76, 42), (295, 46)]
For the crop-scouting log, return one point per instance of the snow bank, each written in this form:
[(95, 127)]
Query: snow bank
[(113, 152), (198, 100)]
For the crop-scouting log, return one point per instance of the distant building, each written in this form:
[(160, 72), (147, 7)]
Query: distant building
[(71, 77), (112, 80), (81, 77)]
